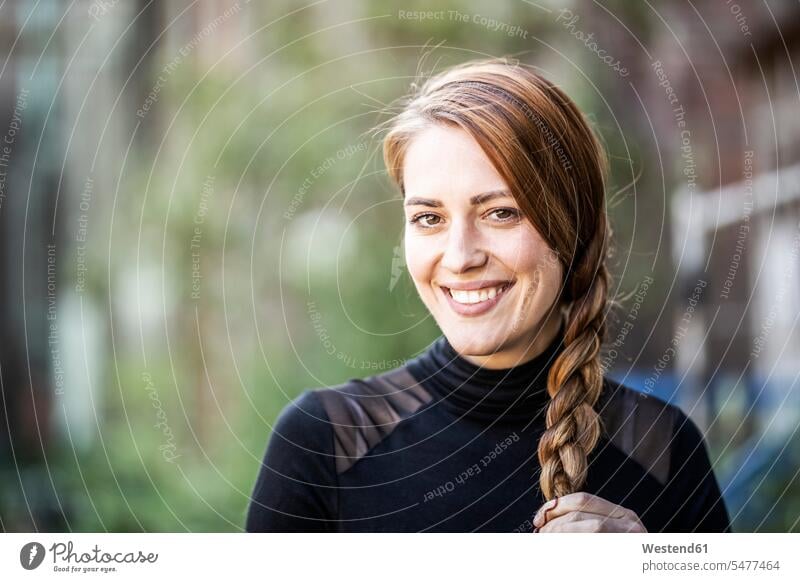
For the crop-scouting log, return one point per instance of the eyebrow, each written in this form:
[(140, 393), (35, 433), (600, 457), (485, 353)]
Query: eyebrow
[(475, 200)]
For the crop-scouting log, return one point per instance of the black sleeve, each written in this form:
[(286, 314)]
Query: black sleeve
[(296, 488), (694, 491)]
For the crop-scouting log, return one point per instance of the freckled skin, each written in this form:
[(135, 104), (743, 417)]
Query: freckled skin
[(460, 242)]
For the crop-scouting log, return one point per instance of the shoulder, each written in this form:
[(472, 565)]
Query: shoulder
[(618, 402), (302, 422), (296, 486), (362, 412), (640, 425)]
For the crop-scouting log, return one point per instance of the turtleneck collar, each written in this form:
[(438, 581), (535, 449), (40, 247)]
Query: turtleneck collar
[(466, 389)]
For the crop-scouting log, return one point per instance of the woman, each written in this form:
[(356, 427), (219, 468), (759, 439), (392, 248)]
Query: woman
[(505, 422)]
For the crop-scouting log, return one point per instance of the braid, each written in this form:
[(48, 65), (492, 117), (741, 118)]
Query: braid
[(575, 382)]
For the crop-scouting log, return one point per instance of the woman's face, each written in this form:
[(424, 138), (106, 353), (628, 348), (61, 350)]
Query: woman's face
[(484, 272)]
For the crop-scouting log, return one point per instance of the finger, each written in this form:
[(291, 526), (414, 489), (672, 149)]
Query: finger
[(580, 501), (578, 521), (565, 521)]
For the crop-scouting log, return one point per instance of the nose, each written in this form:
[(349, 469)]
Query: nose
[(463, 250)]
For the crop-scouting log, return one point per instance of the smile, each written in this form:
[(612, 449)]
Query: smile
[(477, 301), (477, 296)]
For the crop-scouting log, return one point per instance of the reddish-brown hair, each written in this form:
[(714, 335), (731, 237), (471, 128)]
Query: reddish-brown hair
[(554, 164)]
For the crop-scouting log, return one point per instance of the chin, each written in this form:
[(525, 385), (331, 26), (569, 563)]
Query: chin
[(470, 343)]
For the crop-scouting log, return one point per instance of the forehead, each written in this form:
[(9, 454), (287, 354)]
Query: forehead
[(446, 162)]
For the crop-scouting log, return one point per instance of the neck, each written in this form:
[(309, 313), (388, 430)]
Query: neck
[(515, 393), (518, 355)]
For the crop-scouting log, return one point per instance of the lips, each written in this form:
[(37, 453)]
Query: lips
[(478, 300)]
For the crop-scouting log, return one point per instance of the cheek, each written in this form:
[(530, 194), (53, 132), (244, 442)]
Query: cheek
[(527, 254), (552, 273), (520, 254), (550, 276), (532, 261), (419, 259)]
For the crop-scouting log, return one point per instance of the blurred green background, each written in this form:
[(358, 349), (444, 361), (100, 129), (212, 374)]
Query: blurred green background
[(197, 226)]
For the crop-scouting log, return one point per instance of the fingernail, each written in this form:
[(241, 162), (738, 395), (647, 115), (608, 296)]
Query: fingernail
[(537, 519), (543, 510)]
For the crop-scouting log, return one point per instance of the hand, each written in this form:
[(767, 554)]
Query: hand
[(584, 512)]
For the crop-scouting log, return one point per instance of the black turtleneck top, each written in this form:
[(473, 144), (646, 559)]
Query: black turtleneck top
[(441, 444)]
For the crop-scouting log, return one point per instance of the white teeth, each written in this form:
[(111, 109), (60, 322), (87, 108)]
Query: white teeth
[(468, 297)]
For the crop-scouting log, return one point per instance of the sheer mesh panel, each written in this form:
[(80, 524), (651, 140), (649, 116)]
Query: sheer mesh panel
[(364, 412)]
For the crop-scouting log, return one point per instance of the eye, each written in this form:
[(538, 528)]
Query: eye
[(422, 220), (506, 214)]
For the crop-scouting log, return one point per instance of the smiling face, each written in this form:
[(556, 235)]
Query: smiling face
[(484, 272)]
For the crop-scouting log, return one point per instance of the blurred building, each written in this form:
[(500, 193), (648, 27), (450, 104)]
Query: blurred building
[(736, 223), (736, 226)]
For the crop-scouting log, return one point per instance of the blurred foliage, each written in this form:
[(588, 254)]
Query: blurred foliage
[(280, 307)]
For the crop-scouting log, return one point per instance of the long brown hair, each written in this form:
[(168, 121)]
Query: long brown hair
[(556, 168)]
